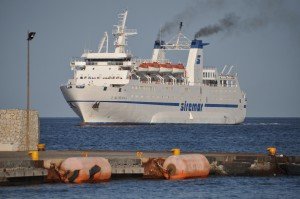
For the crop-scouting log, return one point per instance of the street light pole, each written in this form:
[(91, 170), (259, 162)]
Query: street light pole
[(30, 36)]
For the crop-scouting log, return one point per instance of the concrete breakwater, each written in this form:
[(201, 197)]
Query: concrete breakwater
[(22, 171), (13, 130), (147, 164), (18, 135), (17, 167)]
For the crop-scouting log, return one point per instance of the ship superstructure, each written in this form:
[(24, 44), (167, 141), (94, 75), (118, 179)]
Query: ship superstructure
[(112, 87)]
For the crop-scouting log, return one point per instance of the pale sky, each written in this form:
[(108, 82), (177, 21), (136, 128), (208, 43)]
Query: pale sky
[(267, 56)]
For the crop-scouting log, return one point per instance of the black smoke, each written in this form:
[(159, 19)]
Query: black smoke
[(259, 14), (189, 14), (264, 13), (228, 22)]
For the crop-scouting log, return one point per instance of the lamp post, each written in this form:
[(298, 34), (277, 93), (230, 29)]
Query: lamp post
[(30, 36)]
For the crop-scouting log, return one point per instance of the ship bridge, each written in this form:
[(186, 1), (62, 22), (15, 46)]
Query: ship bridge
[(106, 58)]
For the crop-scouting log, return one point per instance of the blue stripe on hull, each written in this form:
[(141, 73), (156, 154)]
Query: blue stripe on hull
[(162, 103), (149, 103), (221, 105)]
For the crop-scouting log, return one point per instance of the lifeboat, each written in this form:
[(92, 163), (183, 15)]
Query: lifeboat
[(178, 167), (153, 67), (85, 169), (143, 67), (165, 68), (178, 68)]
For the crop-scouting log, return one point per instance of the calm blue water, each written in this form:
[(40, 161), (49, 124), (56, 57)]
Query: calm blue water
[(255, 135)]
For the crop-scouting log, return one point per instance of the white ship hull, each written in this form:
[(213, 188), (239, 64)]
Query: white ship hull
[(112, 87), (143, 106)]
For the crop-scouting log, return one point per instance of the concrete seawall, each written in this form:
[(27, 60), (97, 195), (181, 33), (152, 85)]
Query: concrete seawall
[(13, 130), (144, 164), (17, 167)]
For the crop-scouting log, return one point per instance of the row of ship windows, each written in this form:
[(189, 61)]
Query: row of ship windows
[(85, 77), (151, 96), (230, 82), (206, 82), (146, 96), (209, 74), (141, 96), (167, 88), (150, 88), (89, 68), (104, 63), (163, 97), (210, 82), (136, 87)]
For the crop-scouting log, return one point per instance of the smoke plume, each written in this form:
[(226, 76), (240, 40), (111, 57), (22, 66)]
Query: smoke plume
[(228, 22), (253, 14), (264, 13), (189, 14)]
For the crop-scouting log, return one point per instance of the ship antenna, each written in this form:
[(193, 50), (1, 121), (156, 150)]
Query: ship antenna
[(180, 26), (179, 33), (179, 41), (160, 34), (121, 33)]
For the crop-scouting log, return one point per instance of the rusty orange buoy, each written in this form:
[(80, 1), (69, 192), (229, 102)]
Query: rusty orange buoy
[(186, 166), (85, 169)]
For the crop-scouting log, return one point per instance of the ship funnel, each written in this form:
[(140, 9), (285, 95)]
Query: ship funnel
[(158, 50), (159, 44), (194, 69)]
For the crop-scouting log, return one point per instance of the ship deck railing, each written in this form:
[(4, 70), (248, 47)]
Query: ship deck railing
[(128, 31), (229, 76), (165, 83), (139, 61), (209, 68)]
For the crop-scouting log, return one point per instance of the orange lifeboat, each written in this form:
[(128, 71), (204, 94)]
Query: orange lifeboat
[(165, 68), (143, 67), (153, 67), (85, 169), (186, 166), (178, 68)]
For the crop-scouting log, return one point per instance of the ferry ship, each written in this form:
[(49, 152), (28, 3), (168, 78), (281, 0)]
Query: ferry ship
[(114, 87)]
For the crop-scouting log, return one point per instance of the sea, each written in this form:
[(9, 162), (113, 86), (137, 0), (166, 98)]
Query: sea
[(254, 135)]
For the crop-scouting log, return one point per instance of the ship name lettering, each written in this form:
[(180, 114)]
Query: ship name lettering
[(186, 106)]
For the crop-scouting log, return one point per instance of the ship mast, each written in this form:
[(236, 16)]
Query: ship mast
[(179, 41), (121, 33)]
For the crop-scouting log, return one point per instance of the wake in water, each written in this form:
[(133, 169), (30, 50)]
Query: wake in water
[(264, 124)]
